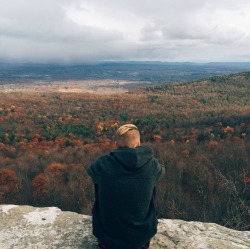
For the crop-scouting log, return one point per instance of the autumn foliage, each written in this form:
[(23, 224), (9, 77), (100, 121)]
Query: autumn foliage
[(200, 131), (8, 184), (40, 186)]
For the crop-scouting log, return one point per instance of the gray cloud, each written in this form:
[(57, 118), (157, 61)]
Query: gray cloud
[(78, 31)]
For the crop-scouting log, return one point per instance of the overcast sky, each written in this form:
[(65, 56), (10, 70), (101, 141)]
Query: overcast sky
[(73, 31)]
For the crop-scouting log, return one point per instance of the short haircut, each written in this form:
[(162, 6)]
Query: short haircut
[(127, 135)]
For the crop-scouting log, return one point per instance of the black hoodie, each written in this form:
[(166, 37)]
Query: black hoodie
[(124, 213)]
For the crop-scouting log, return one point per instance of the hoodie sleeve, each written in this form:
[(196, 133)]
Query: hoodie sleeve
[(91, 172), (161, 172)]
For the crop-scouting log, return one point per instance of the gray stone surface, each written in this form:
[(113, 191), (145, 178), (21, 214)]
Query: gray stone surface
[(26, 227)]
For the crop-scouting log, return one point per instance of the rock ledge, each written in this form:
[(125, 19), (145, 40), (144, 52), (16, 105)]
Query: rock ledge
[(26, 227)]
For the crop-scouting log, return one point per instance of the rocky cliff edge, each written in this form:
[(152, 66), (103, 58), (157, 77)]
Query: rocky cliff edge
[(26, 227)]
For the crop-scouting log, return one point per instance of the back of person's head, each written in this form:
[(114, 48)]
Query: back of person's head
[(128, 136)]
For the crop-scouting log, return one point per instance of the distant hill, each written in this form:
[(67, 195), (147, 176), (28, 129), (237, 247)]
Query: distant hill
[(154, 72), (232, 84)]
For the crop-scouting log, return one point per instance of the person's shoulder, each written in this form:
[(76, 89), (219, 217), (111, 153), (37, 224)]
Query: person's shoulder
[(156, 163), (145, 150), (97, 164), (102, 159)]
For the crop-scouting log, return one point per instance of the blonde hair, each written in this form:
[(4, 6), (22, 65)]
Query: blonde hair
[(128, 136)]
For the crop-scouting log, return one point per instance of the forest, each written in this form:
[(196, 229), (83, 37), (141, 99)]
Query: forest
[(200, 132)]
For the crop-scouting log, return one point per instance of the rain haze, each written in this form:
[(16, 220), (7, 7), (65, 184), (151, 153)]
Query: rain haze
[(116, 30)]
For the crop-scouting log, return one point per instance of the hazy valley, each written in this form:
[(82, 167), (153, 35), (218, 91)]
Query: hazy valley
[(119, 76), (200, 131)]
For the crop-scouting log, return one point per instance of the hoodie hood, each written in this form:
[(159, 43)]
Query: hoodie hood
[(133, 158)]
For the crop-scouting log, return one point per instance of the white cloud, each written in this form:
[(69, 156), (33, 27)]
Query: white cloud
[(81, 30)]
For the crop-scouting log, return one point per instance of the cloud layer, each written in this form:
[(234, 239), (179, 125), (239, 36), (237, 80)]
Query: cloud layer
[(92, 30)]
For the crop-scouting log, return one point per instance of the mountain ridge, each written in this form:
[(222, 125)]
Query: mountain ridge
[(241, 79)]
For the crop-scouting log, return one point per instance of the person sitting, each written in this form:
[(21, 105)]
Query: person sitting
[(124, 212)]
